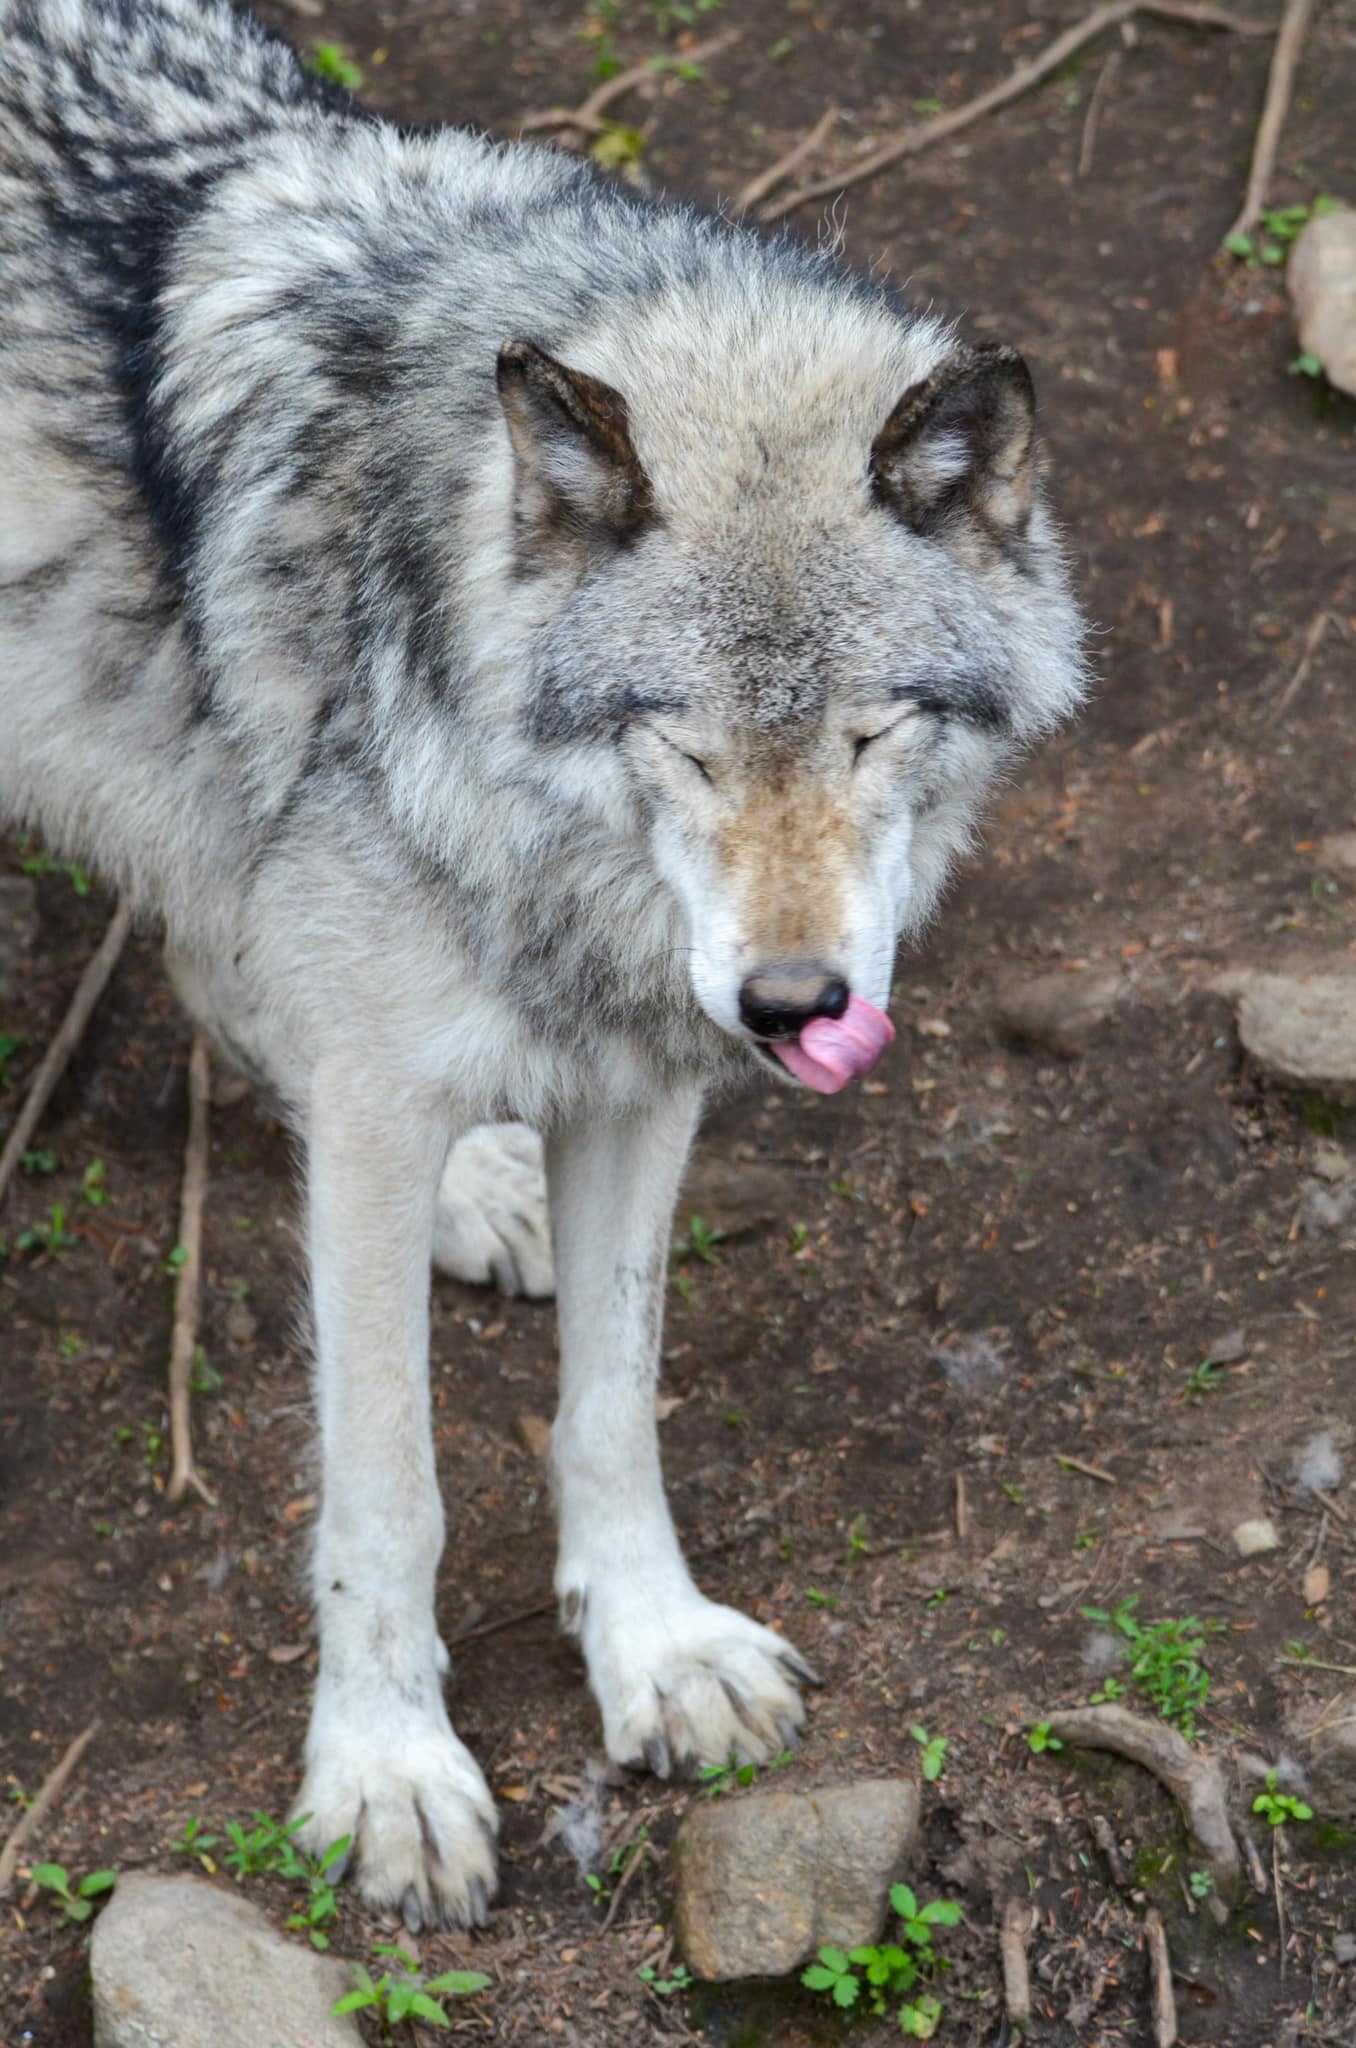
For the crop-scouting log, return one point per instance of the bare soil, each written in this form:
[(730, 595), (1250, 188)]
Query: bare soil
[(985, 1261)]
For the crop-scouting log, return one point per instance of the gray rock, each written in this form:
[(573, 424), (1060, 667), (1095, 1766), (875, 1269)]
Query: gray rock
[(762, 1881), (1326, 1728), (178, 1963), (1321, 275), (1337, 852), (1057, 1013), (1256, 1537), (1299, 1027), (18, 917)]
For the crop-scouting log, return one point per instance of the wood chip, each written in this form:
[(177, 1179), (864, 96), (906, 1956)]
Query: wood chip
[(534, 1433)]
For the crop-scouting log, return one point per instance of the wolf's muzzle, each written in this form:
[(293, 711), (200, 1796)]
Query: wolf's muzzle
[(779, 1001)]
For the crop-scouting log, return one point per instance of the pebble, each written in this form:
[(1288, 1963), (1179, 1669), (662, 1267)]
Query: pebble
[(1300, 1027), (1253, 1539)]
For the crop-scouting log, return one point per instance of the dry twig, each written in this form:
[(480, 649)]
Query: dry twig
[(91, 986), (1160, 1980), (45, 1797), (1014, 1928), (1280, 84), (962, 1509), (1104, 1836), (1094, 113), (1072, 1464), (777, 173), (587, 117), (183, 1472), (1019, 81), (1313, 640), (644, 1851), (1194, 1780)]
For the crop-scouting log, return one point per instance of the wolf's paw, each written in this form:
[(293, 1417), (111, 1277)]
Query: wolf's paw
[(686, 1684), (419, 1814), (491, 1224)]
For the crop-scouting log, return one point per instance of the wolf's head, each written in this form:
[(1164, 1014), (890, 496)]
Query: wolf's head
[(798, 574)]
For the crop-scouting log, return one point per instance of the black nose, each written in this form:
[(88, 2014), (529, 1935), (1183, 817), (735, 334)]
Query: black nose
[(780, 1001)]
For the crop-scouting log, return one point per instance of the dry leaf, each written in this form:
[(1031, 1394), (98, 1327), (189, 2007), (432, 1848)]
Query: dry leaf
[(1316, 1582), (534, 1433), (286, 1653)]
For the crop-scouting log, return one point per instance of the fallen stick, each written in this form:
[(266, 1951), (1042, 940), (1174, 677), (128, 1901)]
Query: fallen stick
[(1094, 114), (1313, 640), (45, 1797), (777, 173), (1280, 85), (587, 117), (1334, 1507), (642, 1855), (1160, 1980), (962, 1509), (1018, 82), (1280, 1898), (188, 1280), (1194, 1780), (1013, 1930), (1071, 1464), (55, 1060)]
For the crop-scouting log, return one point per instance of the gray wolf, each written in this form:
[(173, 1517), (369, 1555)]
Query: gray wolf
[(534, 652)]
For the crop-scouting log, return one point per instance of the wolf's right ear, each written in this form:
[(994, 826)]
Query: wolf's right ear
[(577, 471), (961, 441)]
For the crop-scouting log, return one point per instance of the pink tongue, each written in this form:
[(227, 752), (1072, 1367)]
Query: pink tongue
[(831, 1051)]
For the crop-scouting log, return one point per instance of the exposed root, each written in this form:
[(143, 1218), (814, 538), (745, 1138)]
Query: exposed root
[(183, 1472), (1280, 85), (1013, 1931), (46, 1797), (55, 1060), (587, 118), (1194, 1780), (1160, 1980)]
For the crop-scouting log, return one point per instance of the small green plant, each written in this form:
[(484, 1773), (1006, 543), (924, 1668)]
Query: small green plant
[(40, 863), (9, 1045), (700, 1242), (175, 1260), (1016, 1494), (934, 1748), (1202, 1379), (1306, 364), (1109, 1689), (844, 1188), (194, 1842), (666, 1987), (92, 1184), (1278, 227), (818, 1599), (1166, 1659), (1086, 1541), (724, 1777), (800, 1237), (1280, 1806), (206, 1379), (1200, 1883), (54, 1235), (625, 1854), (321, 1905), (856, 1539), (890, 1972), (329, 61), (402, 1993), (78, 1904), (267, 1849), (39, 1161), (1040, 1739)]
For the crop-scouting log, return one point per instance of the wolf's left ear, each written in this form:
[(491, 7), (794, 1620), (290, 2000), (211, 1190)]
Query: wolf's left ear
[(577, 471), (961, 441)]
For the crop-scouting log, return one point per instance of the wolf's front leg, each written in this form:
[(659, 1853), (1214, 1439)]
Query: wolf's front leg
[(383, 1764), (681, 1681)]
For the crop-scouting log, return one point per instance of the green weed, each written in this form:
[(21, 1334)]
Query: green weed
[(1040, 1739), (77, 1905), (881, 1975), (401, 1993), (1166, 1659), (934, 1748), (328, 61), (1280, 1806)]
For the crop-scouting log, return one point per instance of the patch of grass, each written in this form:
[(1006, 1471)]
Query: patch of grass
[(717, 1778), (52, 1235), (9, 1045), (1166, 1659), (1202, 1379), (1277, 228), (77, 1904), (402, 1993), (40, 1160), (700, 1242)]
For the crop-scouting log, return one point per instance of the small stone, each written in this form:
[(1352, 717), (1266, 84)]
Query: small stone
[(1321, 276), (1337, 852), (1318, 1463), (1300, 1028), (1252, 1539), (1057, 1013), (240, 1323), (534, 1433), (1316, 1583), (1331, 1163), (176, 1963), (1230, 1348), (1344, 1948), (761, 1882)]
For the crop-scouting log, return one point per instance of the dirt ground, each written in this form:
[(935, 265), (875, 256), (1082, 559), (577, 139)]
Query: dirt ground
[(984, 1261)]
